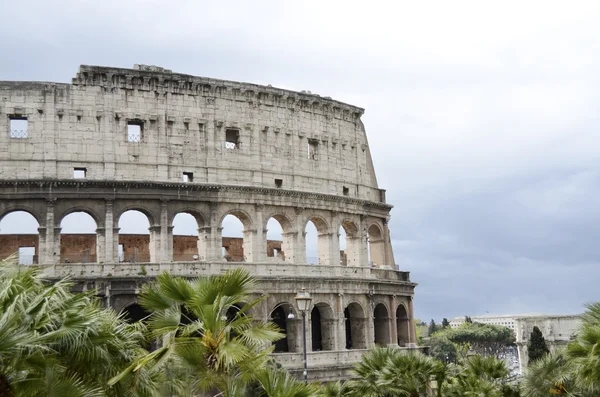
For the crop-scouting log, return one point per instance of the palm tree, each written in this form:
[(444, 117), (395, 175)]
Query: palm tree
[(552, 374), (480, 376), (277, 382), (207, 334), (584, 352), (389, 371), (53, 342)]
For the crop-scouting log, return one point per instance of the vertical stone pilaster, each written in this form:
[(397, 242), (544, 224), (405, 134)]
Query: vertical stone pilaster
[(299, 239), (411, 323), (155, 240), (370, 328), (257, 236), (215, 239), (100, 244), (41, 251), (165, 248), (110, 246), (341, 323), (325, 244), (289, 246), (394, 320), (51, 254), (363, 252)]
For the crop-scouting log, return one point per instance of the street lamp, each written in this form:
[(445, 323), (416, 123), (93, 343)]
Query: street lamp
[(303, 300)]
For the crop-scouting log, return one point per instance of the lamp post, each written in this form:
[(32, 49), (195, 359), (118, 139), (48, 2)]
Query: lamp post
[(303, 300)]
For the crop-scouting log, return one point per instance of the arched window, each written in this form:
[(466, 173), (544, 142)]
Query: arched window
[(284, 317), (134, 237), (275, 240), (376, 246), (185, 238), (381, 322), (402, 326), (322, 327), (78, 239), (19, 235), (355, 325), (233, 243)]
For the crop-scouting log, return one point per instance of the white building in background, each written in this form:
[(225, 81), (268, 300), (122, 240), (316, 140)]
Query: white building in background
[(558, 330), (506, 320)]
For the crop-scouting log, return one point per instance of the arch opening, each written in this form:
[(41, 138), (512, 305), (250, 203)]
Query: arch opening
[(355, 326), (381, 323), (280, 316), (19, 234), (78, 238), (322, 327), (376, 247), (279, 245), (137, 242), (134, 313), (316, 242), (235, 238), (186, 244), (349, 244), (402, 326)]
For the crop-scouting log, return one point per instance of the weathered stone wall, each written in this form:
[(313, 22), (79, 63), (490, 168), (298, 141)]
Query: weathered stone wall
[(212, 148), (184, 122)]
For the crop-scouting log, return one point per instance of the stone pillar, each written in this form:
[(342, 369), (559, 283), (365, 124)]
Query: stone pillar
[(334, 247), (341, 323), (289, 245), (257, 237), (214, 238), (412, 335), (110, 235), (100, 244), (56, 245), (52, 250), (155, 240), (299, 239), (370, 328), (41, 251), (325, 248), (165, 247), (362, 246), (394, 320)]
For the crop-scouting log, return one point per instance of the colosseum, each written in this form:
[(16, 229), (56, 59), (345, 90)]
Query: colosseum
[(166, 145)]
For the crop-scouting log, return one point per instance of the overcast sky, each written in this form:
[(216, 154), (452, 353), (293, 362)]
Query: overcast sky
[(482, 119)]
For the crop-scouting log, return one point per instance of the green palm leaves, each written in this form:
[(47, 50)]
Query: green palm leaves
[(206, 330)]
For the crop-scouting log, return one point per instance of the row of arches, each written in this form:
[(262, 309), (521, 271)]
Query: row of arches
[(77, 243), (321, 326)]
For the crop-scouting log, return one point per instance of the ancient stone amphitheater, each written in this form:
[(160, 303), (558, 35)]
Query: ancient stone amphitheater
[(163, 144)]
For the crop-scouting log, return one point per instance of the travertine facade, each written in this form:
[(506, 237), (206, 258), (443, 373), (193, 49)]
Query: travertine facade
[(163, 143)]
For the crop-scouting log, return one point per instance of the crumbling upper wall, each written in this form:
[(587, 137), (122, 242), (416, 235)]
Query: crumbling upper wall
[(184, 122)]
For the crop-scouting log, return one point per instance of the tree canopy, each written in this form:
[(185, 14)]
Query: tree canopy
[(536, 348)]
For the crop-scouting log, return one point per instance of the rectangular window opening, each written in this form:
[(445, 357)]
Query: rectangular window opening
[(188, 177), (79, 173), (278, 182), (19, 127), (27, 255), (135, 129), (346, 191), (313, 145), (232, 138)]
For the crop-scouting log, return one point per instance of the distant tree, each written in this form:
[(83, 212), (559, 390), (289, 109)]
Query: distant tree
[(483, 339), (432, 327), (441, 348), (468, 319), (537, 347), (445, 323)]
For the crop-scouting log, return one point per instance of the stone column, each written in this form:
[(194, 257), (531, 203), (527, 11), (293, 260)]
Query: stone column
[(288, 246), (155, 240), (334, 248), (341, 323), (214, 241), (165, 247), (100, 244), (362, 246), (110, 234), (52, 250), (56, 245), (257, 243), (325, 245), (394, 320), (370, 328), (41, 251), (412, 336)]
